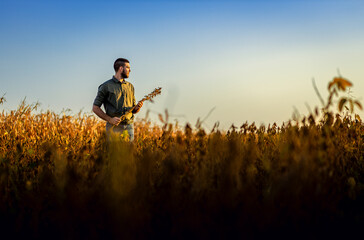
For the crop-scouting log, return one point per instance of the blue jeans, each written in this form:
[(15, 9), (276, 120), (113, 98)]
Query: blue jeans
[(120, 129)]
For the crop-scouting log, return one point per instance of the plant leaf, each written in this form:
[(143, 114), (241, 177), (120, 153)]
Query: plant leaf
[(357, 117), (342, 83), (359, 105), (161, 117), (330, 85), (166, 113), (351, 105), (341, 103)]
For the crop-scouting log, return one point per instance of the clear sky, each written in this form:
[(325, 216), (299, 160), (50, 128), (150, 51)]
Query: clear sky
[(247, 60)]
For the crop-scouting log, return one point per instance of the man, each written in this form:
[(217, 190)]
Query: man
[(117, 95)]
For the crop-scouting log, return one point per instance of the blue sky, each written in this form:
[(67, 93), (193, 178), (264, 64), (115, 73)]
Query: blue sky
[(249, 60)]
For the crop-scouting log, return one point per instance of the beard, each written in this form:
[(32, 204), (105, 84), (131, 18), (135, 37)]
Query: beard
[(124, 75)]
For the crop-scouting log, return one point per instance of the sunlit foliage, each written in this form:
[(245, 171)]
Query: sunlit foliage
[(59, 174)]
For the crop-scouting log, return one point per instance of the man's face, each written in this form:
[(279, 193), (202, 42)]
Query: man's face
[(126, 71)]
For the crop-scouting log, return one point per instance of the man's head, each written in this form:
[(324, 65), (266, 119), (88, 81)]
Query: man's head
[(122, 66)]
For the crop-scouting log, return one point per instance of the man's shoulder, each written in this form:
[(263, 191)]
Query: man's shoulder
[(129, 83), (107, 83)]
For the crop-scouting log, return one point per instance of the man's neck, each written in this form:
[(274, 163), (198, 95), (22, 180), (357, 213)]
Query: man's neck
[(118, 77)]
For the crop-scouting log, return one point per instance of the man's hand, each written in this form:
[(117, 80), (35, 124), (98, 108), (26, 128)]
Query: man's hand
[(99, 112), (138, 107), (114, 121)]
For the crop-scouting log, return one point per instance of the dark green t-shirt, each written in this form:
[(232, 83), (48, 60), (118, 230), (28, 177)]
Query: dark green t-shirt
[(117, 97)]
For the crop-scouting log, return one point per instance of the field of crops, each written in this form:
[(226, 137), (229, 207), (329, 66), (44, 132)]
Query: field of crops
[(61, 178)]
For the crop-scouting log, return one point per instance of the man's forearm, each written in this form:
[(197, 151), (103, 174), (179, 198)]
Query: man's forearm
[(137, 107), (100, 113)]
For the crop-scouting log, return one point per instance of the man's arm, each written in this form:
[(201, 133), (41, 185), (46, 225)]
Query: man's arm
[(136, 106), (100, 113)]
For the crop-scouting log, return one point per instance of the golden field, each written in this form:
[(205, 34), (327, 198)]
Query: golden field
[(61, 178)]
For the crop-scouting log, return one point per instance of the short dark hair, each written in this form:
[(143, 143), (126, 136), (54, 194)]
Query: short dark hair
[(120, 62)]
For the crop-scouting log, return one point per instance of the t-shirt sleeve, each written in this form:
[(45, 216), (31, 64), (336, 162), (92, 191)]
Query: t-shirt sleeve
[(101, 95)]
